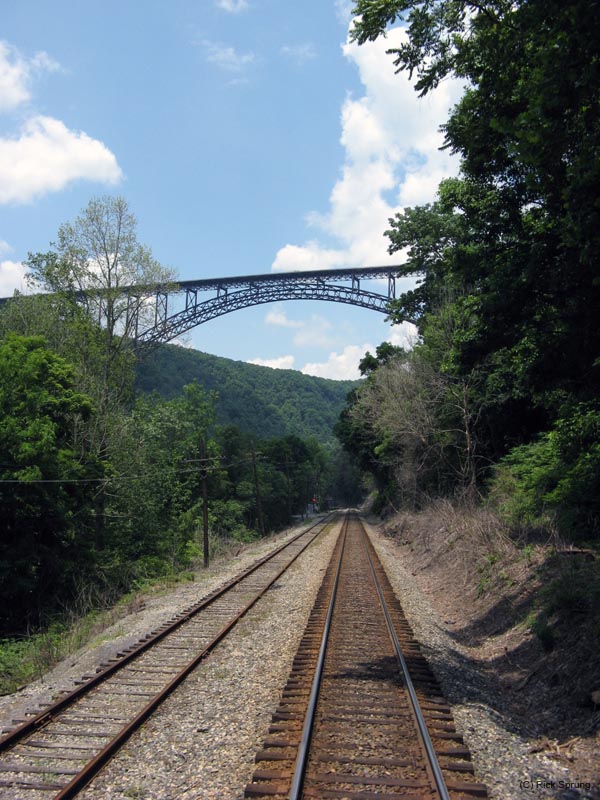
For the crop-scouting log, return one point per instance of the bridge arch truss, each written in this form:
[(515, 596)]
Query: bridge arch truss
[(232, 294)]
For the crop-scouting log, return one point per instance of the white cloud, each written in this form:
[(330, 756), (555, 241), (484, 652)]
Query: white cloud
[(47, 156), (343, 10), (315, 332), (227, 58), (280, 318), (311, 256), (12, 276), (299, 53), (404, 335), (44, 156), (42, 61), (232, 6), (392, 159), (284, 362), (339, 366), (14, 78), (12, 273), (16, 74), (344, 365)]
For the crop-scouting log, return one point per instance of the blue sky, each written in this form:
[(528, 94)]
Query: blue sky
[(246, 135)]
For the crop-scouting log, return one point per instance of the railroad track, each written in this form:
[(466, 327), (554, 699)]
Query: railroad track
[(361, 716), (57, 751)]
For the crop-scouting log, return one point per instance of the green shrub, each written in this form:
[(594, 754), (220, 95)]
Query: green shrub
[(16, 666), (522, 479), (556, 478)]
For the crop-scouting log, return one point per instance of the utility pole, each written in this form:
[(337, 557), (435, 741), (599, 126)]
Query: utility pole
[(261, 522), (289, 487), (203, 474)]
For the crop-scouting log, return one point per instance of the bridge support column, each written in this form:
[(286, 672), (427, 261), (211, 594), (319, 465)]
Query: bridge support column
[(191, 298), (160, 308), (392, 287)]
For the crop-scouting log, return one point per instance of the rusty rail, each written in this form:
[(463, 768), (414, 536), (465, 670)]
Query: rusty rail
[(42, 721), (348, 725)]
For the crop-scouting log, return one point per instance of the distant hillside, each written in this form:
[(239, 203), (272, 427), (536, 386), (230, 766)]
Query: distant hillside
[(260, 400)]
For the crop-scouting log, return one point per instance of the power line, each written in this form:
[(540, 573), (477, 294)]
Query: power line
[(131, 478)]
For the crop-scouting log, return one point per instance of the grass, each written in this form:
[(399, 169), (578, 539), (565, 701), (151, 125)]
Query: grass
[(31, 656), (480, 549), (28, 657)]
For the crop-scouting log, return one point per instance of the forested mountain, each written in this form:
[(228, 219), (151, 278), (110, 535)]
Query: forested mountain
[(259, 400)]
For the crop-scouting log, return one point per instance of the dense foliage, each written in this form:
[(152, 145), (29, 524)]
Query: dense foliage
[(47, 479), (262, 401), (506, 262), (101, 485)]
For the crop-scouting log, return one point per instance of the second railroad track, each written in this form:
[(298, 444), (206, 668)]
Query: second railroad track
[(56, 752)]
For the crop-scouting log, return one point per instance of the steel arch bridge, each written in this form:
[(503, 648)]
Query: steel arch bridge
[(232, 294), (157, 314)]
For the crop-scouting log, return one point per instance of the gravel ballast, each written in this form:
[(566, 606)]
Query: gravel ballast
[(151, 611), (502, 758), (201, 744)]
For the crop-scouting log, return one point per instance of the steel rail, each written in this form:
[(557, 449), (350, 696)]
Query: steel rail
[(48, 714), (368, 728), (93, 767), (40, 719), (414, 700), (303, 749)]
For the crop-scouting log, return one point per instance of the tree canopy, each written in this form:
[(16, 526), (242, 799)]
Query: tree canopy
[(47, 477), (505, 259), (259, 400), (97, 256)]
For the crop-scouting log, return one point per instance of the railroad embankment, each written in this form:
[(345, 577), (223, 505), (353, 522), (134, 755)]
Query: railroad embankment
[(526, 609)]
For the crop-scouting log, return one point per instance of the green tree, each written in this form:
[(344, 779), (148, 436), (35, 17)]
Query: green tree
[(97, 258), (47, 481), (509, 248), (150, 488), (556, 478), (99, 265), (517, 233)]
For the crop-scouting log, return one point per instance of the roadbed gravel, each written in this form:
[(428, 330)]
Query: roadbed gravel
[(202, 742)]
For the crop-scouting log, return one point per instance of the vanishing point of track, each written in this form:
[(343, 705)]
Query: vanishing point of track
[(56, 752), (361, 716)]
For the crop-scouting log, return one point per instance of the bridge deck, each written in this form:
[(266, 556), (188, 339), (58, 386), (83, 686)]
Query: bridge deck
[(240, 281)]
